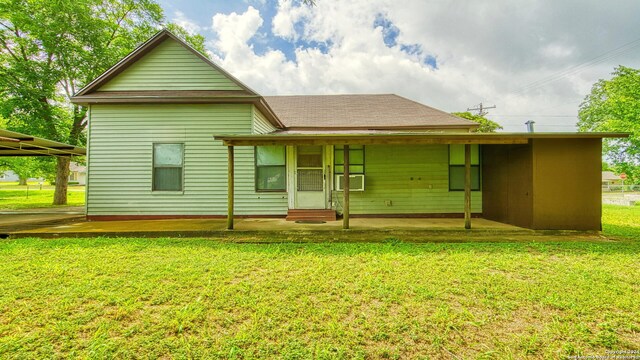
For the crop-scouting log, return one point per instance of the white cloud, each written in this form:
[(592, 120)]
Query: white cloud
[(489, 51), (182, 20)]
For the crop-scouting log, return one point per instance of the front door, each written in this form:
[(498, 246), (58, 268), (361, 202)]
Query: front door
[(310, 178)]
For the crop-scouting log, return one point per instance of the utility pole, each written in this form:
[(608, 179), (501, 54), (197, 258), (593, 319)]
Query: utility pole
[(481, 109)]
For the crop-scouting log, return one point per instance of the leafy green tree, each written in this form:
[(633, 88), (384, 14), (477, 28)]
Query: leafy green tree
[(50, 49), (614, 105), (28, 167), (486, 125)]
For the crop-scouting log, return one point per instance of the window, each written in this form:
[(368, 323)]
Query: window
[(456, 167), (168, 167), (356, 159), (271, 173)]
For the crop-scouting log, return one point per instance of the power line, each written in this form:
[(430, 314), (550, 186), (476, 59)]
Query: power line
[(537, 116), (576, 68)]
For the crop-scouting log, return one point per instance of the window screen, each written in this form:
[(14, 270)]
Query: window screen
[(168, 167), (270, 168)]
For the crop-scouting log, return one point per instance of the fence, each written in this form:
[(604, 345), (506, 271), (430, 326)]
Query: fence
[(627, 195), (620, 188)]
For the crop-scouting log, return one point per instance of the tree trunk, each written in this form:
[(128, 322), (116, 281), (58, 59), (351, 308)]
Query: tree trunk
[(62, 181), (22, 180)]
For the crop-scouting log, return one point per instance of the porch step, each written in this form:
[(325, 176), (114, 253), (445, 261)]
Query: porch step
[(311, 215)]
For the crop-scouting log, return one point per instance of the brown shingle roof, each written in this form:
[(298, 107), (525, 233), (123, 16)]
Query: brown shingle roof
[(384, 111)]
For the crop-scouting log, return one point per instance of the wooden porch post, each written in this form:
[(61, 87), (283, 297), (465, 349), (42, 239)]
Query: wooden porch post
[(230, 179), (467, 186), (345, 190)]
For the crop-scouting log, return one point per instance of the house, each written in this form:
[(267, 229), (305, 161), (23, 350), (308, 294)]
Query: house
[(610, 178), (154, 115), (77, 174), (9, 176)]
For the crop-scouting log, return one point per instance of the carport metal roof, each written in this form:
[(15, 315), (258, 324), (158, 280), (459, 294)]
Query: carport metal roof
[(17, 144)]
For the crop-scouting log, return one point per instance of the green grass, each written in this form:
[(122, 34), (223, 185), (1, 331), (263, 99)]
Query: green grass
[(622, 221), (200, 298), (13, 196)]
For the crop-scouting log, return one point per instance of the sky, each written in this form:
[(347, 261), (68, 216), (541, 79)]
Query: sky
[(534, 60)]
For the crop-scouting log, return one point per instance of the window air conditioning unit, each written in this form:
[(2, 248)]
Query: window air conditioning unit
[(356, 182)]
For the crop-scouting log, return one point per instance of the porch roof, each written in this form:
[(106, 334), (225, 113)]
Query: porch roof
[(402, 138), (17, 144)]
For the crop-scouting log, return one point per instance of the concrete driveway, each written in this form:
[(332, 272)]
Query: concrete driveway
[(26, 219)]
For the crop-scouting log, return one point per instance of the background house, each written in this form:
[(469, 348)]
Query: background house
[(610, 178), (9, 176), (77, 174)]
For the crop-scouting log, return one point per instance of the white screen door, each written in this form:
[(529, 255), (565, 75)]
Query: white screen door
[(310, 178)]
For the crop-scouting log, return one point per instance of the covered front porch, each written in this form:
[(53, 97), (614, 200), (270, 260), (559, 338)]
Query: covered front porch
[(417, 150), (513, 167)]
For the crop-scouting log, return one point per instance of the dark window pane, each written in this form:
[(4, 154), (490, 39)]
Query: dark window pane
[(271, 178), (456, 178), (309, 156), (167, 179)]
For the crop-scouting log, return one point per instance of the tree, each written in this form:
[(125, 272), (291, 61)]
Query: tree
[(614, 105), (486, 125), (27, 167), (50, 49)]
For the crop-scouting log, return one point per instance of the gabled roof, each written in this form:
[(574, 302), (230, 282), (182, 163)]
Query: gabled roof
[(381, 111), (610, 176), (144, 49), (309, 112)]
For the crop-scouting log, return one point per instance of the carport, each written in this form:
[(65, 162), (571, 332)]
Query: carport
[(17, 144)]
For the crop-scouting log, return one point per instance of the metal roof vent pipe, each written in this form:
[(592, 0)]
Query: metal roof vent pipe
[(530, 125)]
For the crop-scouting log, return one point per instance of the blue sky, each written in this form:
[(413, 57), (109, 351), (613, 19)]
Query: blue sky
[(534, 61), (200, 13)]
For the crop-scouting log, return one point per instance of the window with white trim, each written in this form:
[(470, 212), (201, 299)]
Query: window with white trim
[(271, 173), (168, 167)]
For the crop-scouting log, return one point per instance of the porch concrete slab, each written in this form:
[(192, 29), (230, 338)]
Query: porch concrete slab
[(11, 222), (373, 224), (205, 227)]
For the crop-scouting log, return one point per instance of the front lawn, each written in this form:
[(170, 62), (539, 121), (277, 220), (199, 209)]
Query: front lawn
[(199, 298), (13, 196), (621, 220)]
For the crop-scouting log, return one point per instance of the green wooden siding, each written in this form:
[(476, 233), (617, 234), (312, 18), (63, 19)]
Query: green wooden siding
[(120, 161), (414, 178), (260, 124), (170, 66)]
